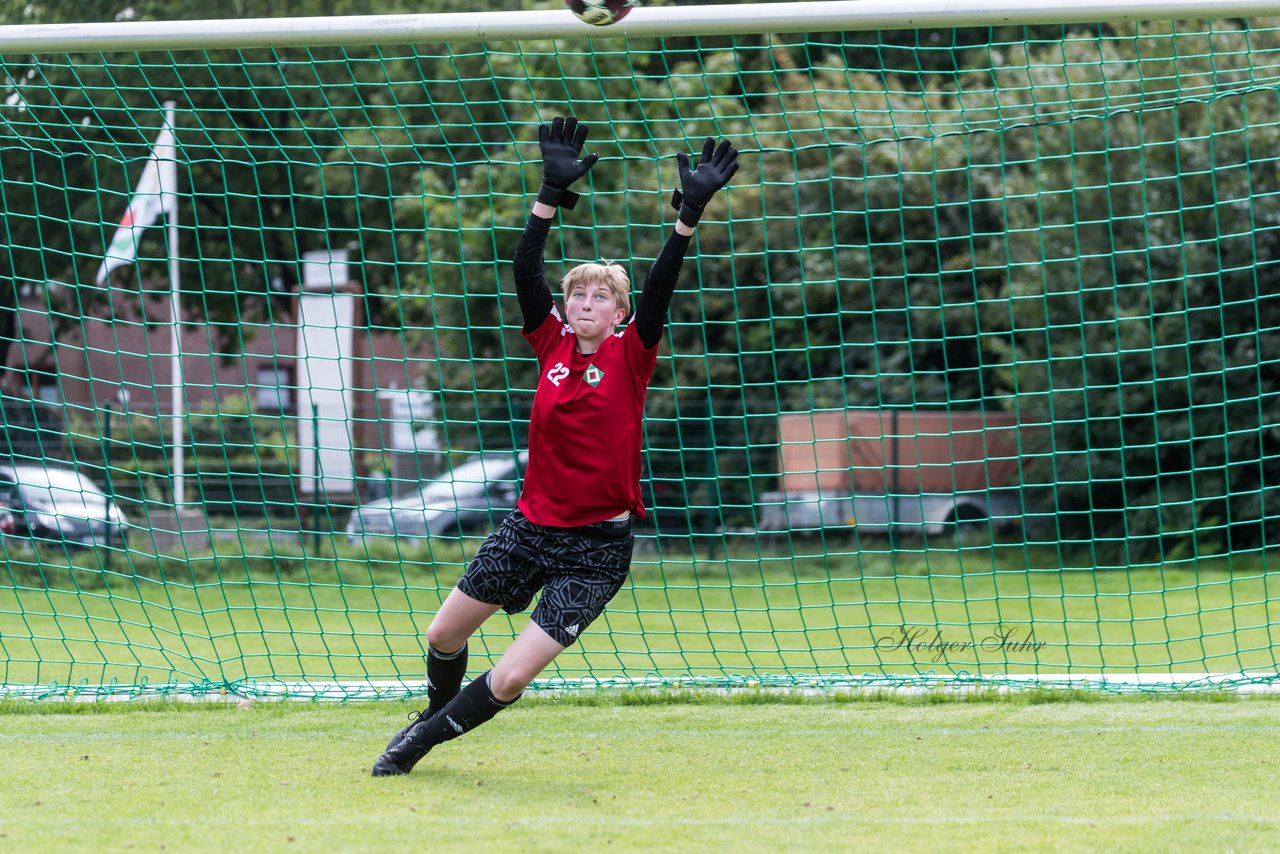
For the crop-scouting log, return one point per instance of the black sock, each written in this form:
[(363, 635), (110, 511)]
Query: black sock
[(444, 677), (474, 705)]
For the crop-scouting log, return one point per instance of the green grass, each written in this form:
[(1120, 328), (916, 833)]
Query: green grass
[(251, 616), (791, 775)]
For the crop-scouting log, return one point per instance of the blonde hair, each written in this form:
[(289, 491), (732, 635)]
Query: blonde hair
[(607, 273)]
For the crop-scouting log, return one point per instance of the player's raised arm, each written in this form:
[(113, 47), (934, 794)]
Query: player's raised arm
[(561, 144), (697, 186)]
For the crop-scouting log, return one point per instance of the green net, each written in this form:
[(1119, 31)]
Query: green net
[(971, 375)]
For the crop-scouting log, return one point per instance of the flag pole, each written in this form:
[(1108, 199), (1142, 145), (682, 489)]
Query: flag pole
[(175, 340), (155, 196)]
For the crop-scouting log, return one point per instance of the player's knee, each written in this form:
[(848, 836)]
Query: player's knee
[(507, 683), (444, 638)]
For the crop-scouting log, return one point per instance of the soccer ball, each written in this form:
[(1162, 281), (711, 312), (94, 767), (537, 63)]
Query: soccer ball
[(600, 13)]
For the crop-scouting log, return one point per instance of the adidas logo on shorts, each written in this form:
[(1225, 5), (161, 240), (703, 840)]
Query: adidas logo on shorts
[(573, 630)]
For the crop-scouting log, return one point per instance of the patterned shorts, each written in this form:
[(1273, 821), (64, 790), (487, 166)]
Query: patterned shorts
[(578, 570)]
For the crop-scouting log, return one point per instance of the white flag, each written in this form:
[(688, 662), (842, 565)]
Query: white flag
[(155, 195)]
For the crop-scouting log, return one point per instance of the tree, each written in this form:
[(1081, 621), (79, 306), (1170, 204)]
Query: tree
[(282, 151)]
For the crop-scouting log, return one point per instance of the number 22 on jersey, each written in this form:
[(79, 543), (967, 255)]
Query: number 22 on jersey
[(557, 374)]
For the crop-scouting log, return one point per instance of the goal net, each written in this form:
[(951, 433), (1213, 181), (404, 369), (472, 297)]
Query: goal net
[(970, 377)]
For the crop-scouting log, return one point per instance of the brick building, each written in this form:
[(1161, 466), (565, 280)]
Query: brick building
[(314, 346)]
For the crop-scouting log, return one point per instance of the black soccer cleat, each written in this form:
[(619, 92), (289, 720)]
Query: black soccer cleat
[(414, 717), (401, 758), (385, 767)]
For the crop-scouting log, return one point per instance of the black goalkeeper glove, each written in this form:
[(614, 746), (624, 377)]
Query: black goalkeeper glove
[(561, 145), (714, 169)]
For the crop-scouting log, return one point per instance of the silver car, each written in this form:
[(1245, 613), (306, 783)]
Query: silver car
[(58, 505), (471, 498)]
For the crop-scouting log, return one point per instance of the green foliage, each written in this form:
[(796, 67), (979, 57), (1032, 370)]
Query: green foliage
[(1136, 320)]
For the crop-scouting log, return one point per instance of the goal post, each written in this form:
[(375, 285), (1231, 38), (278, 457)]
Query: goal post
[(970, 378)]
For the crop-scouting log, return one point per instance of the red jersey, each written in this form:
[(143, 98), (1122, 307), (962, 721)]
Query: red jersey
[(585, 429)]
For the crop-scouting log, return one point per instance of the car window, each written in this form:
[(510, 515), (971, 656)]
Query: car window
[(54, 489), (470, 478), (55, 478)]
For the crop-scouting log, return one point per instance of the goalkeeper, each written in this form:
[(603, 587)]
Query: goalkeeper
[(570, 534)]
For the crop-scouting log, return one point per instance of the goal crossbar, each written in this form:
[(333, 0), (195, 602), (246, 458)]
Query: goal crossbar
[(703, 20)]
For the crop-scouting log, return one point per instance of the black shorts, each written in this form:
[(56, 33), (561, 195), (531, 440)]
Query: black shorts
[(579, 570)]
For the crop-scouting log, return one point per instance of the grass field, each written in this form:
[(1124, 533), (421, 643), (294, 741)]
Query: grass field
[(776, 774), (248, 617)]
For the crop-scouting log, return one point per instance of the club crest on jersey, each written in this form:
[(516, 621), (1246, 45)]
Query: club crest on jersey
[(593, 375)]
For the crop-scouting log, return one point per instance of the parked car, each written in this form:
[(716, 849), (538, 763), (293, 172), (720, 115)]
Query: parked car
[(666, 506), (475, 496), (56, 504), (470, 498)]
